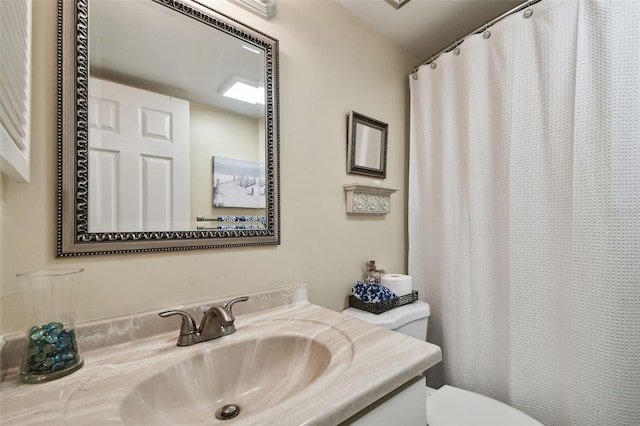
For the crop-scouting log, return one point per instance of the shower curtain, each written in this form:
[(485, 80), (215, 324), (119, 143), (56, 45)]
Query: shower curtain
[(524, 211)]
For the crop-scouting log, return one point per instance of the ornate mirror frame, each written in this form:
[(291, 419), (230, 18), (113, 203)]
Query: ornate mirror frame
[(73, 236), (366, 146)]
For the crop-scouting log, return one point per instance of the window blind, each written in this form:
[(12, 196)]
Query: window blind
[(15, 88)]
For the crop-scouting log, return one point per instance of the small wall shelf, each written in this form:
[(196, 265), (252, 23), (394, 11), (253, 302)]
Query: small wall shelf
[(368, 199)]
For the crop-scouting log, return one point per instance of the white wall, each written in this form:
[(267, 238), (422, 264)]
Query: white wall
[(330, 63)]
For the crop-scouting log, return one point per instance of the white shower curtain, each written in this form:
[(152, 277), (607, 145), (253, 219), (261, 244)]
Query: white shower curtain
[(524, 211)]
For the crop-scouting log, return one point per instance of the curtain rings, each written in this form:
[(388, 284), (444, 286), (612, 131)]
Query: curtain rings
[(456, 51), (486, 34), (527, 13), (433, 65)]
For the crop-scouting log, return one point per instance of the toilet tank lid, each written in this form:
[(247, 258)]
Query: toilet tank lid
[(393, 318)]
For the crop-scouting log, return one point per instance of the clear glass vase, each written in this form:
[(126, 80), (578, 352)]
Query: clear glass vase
[(50, 302)]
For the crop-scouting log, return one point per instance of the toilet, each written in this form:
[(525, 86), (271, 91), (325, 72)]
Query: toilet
[(447, 406)]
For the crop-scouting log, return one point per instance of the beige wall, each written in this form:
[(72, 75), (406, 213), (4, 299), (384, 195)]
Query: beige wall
[(215, 132), (330, 63)]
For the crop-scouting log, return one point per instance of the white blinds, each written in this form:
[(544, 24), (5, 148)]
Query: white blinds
[(15, 77)]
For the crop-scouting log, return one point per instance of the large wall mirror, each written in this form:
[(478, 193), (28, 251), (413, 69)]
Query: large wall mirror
[(168, 137)]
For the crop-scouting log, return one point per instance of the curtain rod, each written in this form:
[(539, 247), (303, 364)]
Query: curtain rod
[(478, 30)]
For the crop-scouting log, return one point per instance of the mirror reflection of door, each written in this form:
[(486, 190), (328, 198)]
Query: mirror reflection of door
[(129, 45), (138, 156), (368, 147)]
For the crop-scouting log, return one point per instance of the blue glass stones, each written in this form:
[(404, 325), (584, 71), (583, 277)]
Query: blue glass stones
[(51, 337), (63, 341), (51, 351), (37, 334), (49, 300)]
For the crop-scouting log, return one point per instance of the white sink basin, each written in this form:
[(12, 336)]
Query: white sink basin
[(253, 374)]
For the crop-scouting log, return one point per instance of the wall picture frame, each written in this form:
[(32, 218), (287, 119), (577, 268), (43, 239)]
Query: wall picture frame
[(366, 146)]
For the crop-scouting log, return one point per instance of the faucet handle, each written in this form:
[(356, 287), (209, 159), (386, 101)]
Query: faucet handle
[(232, 302), (188, 334), (231, 328)]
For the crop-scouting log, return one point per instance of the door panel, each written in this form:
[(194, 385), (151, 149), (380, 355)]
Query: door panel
[(149, 135), (103, 184)]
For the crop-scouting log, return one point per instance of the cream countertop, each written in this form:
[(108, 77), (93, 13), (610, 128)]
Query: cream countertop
[(367, 363)]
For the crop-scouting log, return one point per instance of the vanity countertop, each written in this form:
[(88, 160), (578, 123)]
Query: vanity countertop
[(373, 362)]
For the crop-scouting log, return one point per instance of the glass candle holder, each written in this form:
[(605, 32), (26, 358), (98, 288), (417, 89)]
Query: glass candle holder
[(50, 301)]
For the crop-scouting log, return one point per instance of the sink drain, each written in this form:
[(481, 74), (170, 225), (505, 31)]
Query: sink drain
[(227, 412)]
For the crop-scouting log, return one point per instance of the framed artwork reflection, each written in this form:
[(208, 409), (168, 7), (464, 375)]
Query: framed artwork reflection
[(238, 183)]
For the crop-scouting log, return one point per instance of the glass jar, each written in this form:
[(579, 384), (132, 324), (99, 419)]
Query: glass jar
[(51, 342)]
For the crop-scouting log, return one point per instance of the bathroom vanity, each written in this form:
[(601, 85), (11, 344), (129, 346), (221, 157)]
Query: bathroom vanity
[(289, 363)]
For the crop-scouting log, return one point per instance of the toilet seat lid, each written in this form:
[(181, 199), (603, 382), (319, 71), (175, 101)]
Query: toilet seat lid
[(450, 406)]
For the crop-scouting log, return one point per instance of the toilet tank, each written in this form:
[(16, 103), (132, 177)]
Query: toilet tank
[(411, 319)]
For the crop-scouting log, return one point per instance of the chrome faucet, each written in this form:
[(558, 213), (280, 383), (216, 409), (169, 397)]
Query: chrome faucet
[(216, 322)]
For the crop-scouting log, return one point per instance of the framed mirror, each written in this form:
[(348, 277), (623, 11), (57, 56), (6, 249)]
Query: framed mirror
[(366, 146), (168, 129)]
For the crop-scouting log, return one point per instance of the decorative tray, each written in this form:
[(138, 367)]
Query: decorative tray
[(380, 307)]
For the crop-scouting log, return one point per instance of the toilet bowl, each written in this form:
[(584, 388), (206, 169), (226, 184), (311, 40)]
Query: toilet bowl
[(447, 406)]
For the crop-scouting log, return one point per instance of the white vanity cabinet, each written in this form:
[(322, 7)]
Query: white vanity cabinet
[(405, 406)]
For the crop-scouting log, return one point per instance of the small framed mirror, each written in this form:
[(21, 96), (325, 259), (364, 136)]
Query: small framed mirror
[(366, 146)]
